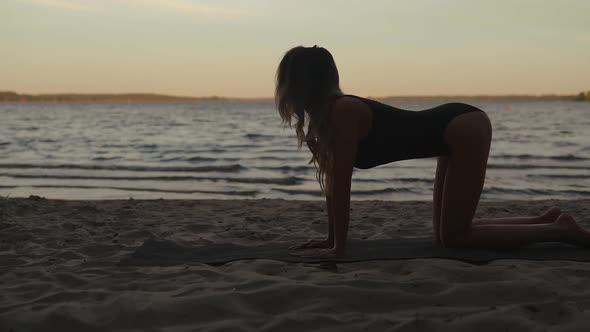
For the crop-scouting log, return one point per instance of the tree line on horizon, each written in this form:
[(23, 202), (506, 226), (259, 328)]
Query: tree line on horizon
[(583, 96), (10, 96)]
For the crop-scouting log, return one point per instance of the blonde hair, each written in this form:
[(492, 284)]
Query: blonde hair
[(306, 80)]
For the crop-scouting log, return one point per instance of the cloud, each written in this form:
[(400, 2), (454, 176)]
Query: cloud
[(191, 8), (67, 4)]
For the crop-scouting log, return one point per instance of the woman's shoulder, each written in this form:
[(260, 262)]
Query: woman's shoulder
[(349, 111), (348, 104)]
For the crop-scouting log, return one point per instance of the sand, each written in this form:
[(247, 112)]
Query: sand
[(59, 272)]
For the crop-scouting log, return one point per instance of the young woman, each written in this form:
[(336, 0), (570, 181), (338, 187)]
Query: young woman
[(346, 131)]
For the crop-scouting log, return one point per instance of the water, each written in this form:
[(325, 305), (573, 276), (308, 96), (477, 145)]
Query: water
[(236, 150)]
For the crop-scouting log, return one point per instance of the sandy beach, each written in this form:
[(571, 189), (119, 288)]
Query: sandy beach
[(59, 271)]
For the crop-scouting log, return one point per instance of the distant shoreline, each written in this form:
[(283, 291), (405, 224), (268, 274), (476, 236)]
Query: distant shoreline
[(8, 96), (107, 97)]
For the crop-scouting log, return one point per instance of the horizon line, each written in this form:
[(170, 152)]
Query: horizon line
[(8, 95)]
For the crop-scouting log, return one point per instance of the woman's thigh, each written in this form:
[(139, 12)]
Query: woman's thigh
[(469, 137)]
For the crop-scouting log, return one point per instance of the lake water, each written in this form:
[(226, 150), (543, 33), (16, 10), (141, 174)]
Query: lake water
[(237, 150)]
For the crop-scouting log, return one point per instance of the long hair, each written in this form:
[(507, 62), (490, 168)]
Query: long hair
[(306, 80)]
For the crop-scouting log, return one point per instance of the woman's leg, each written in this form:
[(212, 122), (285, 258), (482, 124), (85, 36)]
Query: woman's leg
[(469, 136), (548, 217), (441, 170)]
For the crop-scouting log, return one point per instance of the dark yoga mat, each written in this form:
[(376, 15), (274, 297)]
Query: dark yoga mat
[(166, 252)]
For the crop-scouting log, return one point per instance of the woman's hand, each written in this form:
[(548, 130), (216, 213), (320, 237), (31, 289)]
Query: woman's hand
[(320, 253), (313, 244)]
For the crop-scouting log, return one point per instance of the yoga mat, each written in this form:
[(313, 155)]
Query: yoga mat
[(166, 252)]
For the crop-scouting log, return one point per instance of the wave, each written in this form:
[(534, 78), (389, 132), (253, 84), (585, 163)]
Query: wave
[(297, 169), (232, 168), (115, 146), (318, 193), (560, 176), (487, 190), (309, 168), (282, 151), (530, 191), (146, 146), (105, 158), (240, 146), (258, 136), (273, 158), (288, 181), (568, 157), (195, 159), (372, 180), (172, 191), (49, 140), (430, 180), (527, 166)]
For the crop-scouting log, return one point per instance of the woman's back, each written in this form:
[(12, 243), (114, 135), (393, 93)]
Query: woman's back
[(398, 134)]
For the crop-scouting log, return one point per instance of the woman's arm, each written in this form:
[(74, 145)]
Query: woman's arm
[(345, 125), (341, 200), (344, 122)]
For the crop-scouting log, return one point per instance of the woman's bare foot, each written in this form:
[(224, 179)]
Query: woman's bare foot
[(550, 215), (575, 234)]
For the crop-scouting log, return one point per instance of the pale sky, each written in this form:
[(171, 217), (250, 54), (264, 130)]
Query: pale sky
[(232, 47)]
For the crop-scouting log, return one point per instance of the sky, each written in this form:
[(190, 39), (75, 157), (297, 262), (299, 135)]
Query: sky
[(232, 47)]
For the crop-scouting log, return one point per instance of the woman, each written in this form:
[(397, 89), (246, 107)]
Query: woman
[(346, 131)]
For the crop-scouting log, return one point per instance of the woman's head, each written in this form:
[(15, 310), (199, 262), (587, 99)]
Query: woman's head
[(307, 78)]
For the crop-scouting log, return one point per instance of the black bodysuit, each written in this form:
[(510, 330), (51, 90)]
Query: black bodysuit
[(398, 134)]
